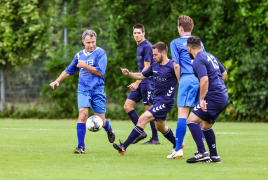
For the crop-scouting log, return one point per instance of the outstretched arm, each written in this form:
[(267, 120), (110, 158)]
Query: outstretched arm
[(63, 76), (137, 76)]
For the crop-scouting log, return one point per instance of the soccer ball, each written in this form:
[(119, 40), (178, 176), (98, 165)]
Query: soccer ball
[(94, 123)]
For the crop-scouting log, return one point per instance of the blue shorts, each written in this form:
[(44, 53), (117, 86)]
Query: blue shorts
[(94, 99), (144, 92), (214, 109), (188, 92), (160, 109)]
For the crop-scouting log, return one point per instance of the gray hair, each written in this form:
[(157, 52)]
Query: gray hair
[(89, 32)]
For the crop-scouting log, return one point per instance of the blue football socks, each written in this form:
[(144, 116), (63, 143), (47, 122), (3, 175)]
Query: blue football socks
[(180, 132), (81, 132), (107, 126), (170, 136), (133, 135), (154, 131), (133, 116), (197, 135), (211, 141)]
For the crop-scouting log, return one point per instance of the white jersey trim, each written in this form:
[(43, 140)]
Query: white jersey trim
[(89, 53)]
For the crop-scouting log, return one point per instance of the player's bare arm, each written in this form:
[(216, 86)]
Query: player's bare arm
[(203, 92), (82, 64), (136, 84), (138, 76), (177, 70), (224, 74), (63, 76)]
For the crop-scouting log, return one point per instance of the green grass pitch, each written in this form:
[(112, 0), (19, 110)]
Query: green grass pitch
[(43, 149)]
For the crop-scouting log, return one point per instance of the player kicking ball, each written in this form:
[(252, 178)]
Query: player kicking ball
[(165, 89), (213, 100), (91, 62)]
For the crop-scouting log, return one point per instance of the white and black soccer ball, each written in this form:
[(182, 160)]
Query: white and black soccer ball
[(94, 123)]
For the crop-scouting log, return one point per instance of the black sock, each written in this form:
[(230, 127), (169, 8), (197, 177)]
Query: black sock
[(154, 131), (133, 116), (197, 135), (133, 135), (170, 136), (211, 141)]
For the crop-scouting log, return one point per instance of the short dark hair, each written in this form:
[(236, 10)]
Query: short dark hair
[(194, 42), (139, 26), (161, 46), (186, 22)]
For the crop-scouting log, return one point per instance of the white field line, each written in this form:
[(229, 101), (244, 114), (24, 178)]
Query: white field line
[(44, 129), (26, 129)]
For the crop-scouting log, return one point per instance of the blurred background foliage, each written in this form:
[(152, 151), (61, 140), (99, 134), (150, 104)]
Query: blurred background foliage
[(235, 31)]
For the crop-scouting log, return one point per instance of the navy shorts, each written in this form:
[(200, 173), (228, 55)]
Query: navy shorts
[(214, 109), (160, 109), (144, 92), (94, 99)]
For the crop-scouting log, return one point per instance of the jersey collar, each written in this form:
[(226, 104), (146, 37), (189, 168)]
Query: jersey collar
[(89, 53), (186, 36)]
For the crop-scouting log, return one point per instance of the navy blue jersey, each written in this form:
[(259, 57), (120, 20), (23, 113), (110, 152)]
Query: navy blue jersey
[(144, 53), (180, 55), (165, 80), (87, 80), (206, 64)]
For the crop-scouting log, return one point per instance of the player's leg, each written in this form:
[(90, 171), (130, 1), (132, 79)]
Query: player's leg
[(81, 130), (98, 105), (192, 122), (133, 98), (165, 130), (136, 133), (84, 103), (211, 141), (148, 103)]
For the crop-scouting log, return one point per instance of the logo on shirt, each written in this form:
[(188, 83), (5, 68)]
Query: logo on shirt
[(155, 71), (170, 91), (139, 58), (185, 44), (159, 108), (160, 79)]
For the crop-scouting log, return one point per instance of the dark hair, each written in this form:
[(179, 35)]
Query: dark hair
[(161, 46), (139, 26), (186, 22), (194, 42)]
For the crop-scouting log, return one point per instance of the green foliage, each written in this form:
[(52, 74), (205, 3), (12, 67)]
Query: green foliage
[(235, 31), (25, 31)]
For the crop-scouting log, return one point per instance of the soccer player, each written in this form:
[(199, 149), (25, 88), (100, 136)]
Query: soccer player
[(187, 95), (142, 89), (213, 100), (91, 62), (165, 87)]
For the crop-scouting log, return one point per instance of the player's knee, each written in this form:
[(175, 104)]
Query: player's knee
[(128, 108), (82, 115), (205, 125)]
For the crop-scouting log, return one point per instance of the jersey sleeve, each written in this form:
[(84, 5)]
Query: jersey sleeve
[(148, 72), (203, 47), (222, 69), (72, 69), (174, 53), (200, 68), (148, 54), (101, 63)]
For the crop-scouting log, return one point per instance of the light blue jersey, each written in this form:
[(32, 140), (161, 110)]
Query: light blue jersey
[(180, 55), (87, 80)]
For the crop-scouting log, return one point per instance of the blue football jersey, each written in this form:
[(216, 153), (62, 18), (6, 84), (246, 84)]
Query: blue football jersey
[(87, 80), (165, 81), (180, 55), (144, 53), (206, 64)]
